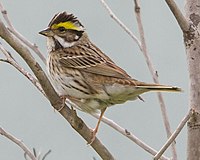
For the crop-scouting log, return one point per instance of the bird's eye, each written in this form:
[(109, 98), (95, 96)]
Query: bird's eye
[(61, 29)]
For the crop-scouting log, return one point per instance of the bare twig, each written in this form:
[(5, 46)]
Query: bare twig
[(143, 43), (38, 155), (12, 61), (123, 26), (18, 142), (154, 75), (129, 135), (34, 47), (174, 135), (46, 154), (53, 97), (121, 130), (178, 15), (105, 120)]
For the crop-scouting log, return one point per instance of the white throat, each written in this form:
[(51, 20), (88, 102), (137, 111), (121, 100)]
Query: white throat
[(51, 44), (63, 42)]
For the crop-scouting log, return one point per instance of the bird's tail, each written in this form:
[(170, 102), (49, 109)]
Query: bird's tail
[(159, 88)]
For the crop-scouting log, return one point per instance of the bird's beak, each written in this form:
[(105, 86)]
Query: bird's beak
[(46, 32)]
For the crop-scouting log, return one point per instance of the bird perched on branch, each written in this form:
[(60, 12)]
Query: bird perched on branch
[(81, 72)]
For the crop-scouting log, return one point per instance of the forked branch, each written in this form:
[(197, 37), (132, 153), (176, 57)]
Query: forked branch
[(183, 23), (174, 135), (154, 75), (19, 143), (34, 47), (121, 24), (131, 136), (54, 99), (11, 60), (48, 90)]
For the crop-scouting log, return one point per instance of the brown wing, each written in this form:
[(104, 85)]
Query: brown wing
[(91, 59)]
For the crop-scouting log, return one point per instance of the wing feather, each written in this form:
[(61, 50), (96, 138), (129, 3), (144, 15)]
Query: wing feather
[(92, 60)]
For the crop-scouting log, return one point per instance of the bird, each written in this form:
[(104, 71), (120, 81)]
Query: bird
[(81, 72)]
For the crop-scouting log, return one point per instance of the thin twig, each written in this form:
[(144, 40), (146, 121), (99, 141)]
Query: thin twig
[(4, 60), (129, 135), (121, 130), (174, 135), (183, 23), (122, 25), (12, 61), (18, 142), (38, 155), (154, 75), (34, 47), (46, 154), (76, 122)]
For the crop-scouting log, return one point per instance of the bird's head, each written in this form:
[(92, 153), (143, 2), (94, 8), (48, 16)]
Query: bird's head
[(63, 31)]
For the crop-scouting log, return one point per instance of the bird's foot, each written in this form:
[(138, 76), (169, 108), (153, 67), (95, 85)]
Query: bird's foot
[(63, 98), (93, 136)]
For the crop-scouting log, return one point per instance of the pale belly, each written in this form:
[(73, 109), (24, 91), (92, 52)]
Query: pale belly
[(92, 103), (69, 87), (106, 95)]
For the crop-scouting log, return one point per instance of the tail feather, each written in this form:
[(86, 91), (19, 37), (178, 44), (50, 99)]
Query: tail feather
[(160, 88)]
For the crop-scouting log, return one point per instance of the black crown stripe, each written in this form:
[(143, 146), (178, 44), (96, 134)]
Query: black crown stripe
[(64, 17)]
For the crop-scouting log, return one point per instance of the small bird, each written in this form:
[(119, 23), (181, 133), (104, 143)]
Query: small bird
[(81, 72)]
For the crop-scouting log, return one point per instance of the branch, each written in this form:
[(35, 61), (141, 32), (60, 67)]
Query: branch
[(34, 47), (154, 75), (130, 136), (174, 135), (18, 142), (12, 61), (178, 15), (53, 97), (121, 130), (192, 46), (38, 155), (123, 26), (46, 154), (21, 69)]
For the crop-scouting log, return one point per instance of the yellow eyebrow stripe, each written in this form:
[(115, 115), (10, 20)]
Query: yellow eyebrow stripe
[(66, 25)]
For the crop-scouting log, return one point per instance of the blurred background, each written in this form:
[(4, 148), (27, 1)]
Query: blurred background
[(29, 116)]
